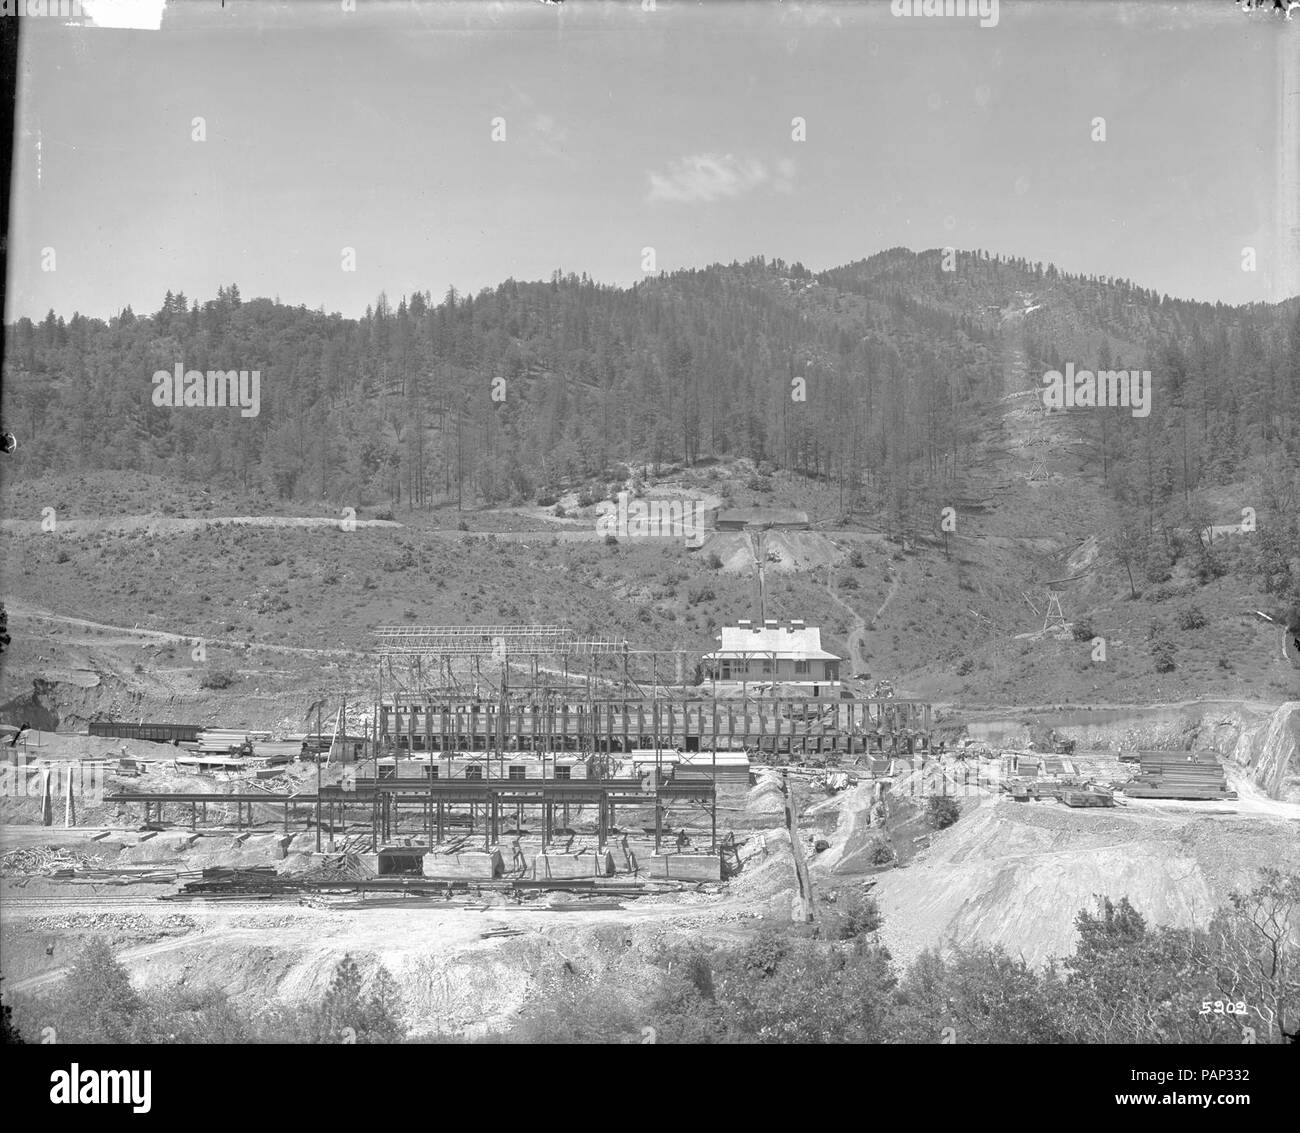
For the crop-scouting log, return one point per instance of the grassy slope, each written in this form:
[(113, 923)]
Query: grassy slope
[(328, 589)]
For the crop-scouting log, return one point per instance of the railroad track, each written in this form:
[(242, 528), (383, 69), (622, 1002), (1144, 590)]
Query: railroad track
[(68, 900)]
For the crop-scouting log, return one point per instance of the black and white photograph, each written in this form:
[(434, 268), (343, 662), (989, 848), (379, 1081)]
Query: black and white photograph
[(650, 523)]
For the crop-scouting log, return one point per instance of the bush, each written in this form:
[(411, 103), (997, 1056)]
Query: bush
[(62, 556), (713, 562), (96, 1003), (1191, 617), (1162, 651), (883, 854), (217, 678), (859, 915), (1082, 630), (848, 582), (966, 667), (1157, 566), (855, 558), (1209, 566), (942, 811)]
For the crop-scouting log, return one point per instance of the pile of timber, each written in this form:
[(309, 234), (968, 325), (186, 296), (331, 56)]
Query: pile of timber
[(1179, 775), (226, 741), (1086, 796), (275, 754)]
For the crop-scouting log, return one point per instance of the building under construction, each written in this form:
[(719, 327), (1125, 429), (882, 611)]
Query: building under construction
[(502, 724)]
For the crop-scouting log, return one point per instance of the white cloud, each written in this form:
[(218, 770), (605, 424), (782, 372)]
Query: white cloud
[(707, 177)]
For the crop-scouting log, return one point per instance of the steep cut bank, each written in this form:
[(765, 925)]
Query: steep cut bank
[(1260, 740), (1017, 874)]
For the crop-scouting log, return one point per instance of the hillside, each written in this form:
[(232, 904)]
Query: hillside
[(921, 394)]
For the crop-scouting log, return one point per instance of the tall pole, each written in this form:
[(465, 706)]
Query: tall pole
[(317, 746)]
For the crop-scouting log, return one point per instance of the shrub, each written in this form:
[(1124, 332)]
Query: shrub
[(217, 678), (966, 667), (1162, 651), (848, 582), (1157, 567), (859, 915), (942, 811), (1209, 566), (855, 558), (883, 854), (96, 1003), (62, 556), (1191, 617), (1082, 629), (713, 562)]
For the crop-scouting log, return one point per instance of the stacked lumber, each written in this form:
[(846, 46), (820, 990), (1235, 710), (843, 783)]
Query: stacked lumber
[(1086, 796), (276, 753), (1179, 775), (226, 741)]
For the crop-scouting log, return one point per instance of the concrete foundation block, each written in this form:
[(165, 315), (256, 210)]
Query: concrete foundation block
[(480, 864), (590, 864)]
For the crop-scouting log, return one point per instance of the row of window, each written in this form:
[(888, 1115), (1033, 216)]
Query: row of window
[(517, 772), (801, 669)]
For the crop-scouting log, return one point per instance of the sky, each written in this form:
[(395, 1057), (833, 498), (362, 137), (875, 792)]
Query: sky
[(326, 129)]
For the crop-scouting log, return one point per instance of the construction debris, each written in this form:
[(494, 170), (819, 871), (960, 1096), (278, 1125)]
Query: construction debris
[(43, 861)]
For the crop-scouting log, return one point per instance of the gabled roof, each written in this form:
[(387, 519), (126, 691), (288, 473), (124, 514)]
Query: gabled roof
[(783, 642)]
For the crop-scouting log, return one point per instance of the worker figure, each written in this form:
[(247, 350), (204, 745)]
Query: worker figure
[(681, 840), (518, 861)]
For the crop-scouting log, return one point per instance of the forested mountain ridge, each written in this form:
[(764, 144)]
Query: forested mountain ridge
[(884, 375)]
